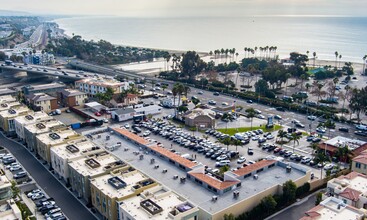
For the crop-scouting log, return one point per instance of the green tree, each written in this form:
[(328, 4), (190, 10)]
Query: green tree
[(269, 204), (164, 87), (223, 169), (358, 101), (227, 141), (229, 217), (2, 56), (295, 138), (282, 134), (289, 191), (192, 64), (318, 198), (261, 87), (250, 113)]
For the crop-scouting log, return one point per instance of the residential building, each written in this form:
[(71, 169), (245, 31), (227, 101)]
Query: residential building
[(7, 118), (92, 86), (7, 98), (200, 118), (7, 91), (350, 188), (31, 118), (55, 137), (50, 88), (109, 190), (6, 105), (71, 97), (167, 102), (71, 150), (123, 114), (158, 203), (9, 210), (148, 110), (359, 163), (43, 126), (42, 102), (354, 145), (84, 169), (5, 187), (336, 209)]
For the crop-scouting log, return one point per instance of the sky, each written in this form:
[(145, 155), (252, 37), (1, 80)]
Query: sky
[(174, 8)]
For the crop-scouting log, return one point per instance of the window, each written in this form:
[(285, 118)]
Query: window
[(358, 165)]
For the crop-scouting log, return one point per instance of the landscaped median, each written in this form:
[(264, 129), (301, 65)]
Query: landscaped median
[(232, 131)]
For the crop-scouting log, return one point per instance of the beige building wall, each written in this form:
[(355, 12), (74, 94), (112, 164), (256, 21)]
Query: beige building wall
[(362, 168)]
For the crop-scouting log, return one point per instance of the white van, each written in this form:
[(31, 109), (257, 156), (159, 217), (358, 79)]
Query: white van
[(222, 163)]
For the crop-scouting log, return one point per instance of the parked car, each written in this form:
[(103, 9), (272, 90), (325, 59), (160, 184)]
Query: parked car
[(15, 168), (311, 117), (344, 129), (278, 117), (97, 114), (37, 196), (216, 93), (241, 159), (19, 175), (222, 163), (30, 194)]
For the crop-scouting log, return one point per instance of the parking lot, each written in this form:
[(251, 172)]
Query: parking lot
[(202, 144)]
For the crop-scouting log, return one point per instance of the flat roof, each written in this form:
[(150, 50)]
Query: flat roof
[(8, 105), (103, 159), (214, 182), (58, 136), (333, 208), (163, 198), (127, 179), (340, 141), (101, 82), (43, 126), (75, 149), (45, 86), (253, 167), (191, 190), (6, 91), (32, 117), (14, 112), (355, 181), (7, 98), (175, 157)]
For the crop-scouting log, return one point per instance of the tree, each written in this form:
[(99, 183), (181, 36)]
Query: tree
[(336, 58), (295, 138), (2, 56), (364, 64), (344, 154), (317, 90), (358, 101), (192, 64), (261, 87), (348, 68), (164, 87), (229, 217), (269, 204), (314, 58), (318, 198), (289, 191), (227, 141), (250, 113), (282, 134)]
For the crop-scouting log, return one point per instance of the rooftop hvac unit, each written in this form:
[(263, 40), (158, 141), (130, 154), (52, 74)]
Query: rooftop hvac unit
[(164, 171), (152, 160), (236, 193), (141, 157), (256, 176), (107, 137), (214, 198), (175, 177), (288, 169), (156, 166), (183, 179)]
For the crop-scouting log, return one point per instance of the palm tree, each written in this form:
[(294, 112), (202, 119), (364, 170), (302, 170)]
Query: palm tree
[(340, 57), (336, 58), (308, 52), (237, 56), (344, 154), (251, 114), (314, 58), (174, 94), (227, 141), (186, 90), (317, 90), (295, 138), (282, 134), (164, 87), (329, 124)]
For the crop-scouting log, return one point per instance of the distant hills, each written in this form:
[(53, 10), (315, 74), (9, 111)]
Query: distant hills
[(14, 13)]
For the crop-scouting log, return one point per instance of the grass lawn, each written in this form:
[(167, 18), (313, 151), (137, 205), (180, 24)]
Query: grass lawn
[(232, 131)]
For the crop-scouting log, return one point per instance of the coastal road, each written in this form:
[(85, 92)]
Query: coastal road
[(70, 205)]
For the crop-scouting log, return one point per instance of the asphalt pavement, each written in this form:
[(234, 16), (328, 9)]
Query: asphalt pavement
[(69, 204)]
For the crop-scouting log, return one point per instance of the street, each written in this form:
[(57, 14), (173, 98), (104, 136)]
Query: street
[(70, 205)]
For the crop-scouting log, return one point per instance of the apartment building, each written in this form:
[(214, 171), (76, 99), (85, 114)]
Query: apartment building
[(7, 99), (42, 102), (71, 150), (359, 163), (92, 86), (31, 118), (5, 187), (335, 209), (43, 126), (72, 97), (55, 137), (109, 190), (157, 203), (6, 105), (84, 169), (7, 118), (350, 188)]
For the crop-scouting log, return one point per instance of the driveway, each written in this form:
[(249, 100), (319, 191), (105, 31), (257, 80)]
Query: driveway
[(71, 206)]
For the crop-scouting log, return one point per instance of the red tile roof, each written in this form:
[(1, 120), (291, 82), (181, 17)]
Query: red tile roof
[(253, 167), (177, 158), (131, 136), (361, 158), (312, 213), (352, 175), (213, 182), (350, 194), (131, 96)]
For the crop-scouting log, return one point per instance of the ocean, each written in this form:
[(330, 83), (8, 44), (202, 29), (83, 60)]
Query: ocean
[(323, 35)]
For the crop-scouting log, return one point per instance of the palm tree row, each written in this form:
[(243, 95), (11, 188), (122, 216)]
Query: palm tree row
[(266, 52), (179, 89), (220, 52)]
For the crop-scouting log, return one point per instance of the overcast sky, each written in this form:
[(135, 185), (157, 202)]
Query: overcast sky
[(189, 7)]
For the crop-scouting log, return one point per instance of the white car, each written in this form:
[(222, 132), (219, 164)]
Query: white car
[(146, 133), (30, 194), (225, 103), (311, 117), (241, 160), (11, 165), (261, 116), (361, 127), (294, 121), (127, 126), (37, 196), (15, 168), (328, 166), (321, 129), (222, 157), (255, 138), (269, 137), (222, 163), (257, 111)]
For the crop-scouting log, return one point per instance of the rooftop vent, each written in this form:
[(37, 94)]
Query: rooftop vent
[(92, 163), (256, 176), (116, 182), (12, 111), (72, 148), (40, 126), (151, 206), (288, 169), (4, 105), (236, 193), (54, 136), (214, 198), (29, 117)]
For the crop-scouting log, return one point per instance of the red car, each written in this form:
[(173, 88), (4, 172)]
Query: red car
[(97, 114), (276, 150)]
